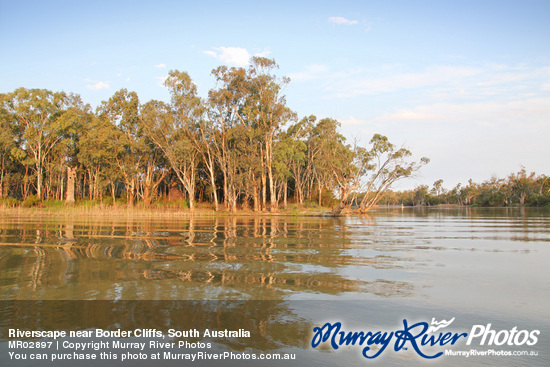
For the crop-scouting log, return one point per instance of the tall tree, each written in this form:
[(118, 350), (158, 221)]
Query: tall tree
[(122, 110), (385, 165), (7, 146), (228, 104), (267, 111), (39, 112), (170, 128)]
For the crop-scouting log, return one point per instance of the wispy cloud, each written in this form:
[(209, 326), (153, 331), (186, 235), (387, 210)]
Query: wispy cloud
[(434, 76), (161, 66), (236, 56), (444, 81), (264, 53), (490, 114), (98, 86), (342, 21)]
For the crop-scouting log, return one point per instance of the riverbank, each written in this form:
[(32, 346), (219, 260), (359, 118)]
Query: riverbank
[(156, 211)]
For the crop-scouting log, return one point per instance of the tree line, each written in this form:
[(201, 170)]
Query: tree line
[(240, 147), (517, 189)]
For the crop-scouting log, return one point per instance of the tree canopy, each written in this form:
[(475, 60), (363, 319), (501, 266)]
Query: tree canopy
[(241, 146)]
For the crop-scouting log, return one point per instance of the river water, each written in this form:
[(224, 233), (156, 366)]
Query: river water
[(281, 276)]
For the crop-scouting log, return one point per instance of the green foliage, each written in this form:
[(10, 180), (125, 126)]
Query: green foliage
[(9, 202), (87, 203), (31, 201), (539, 200), (52, 203), (178, 204), (107, 200), (241, 144), (121, 201)]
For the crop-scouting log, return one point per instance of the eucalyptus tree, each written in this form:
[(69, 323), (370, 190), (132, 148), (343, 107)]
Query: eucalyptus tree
[(98, 149), (290, 160), (122, 110), (39, 114), (295, 138), (522, 185), (338, 165), (7, 147), (155, 166), (248, 100), (172, 127), (267, 111), (385, 165), (421, 195), (227, 112), (64, 162), (328, 156)]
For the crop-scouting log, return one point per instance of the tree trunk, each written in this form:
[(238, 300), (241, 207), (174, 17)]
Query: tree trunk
[(39, 181), (130, 187), (285, 189), (71, 176), (113, 192), (342, 204), (320, 191), (255, 197), (213, 184), (264, 191)]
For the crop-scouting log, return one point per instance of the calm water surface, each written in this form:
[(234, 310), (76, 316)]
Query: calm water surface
[(391, 264)]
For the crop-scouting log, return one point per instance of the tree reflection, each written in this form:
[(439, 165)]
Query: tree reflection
[(257, 257)]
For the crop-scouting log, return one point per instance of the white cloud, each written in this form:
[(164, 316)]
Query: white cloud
[(265, 53), (342, 21), (98, 86), (443, 81), (532, 112), (236, 56), (161, 66), (211, 53)]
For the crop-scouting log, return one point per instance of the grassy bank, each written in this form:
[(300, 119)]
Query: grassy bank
[(179, 208)]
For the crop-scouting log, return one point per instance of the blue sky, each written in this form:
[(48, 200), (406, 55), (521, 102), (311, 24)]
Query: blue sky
[(466, 83)]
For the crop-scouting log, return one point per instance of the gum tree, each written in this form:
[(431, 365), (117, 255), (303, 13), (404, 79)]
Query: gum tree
[(39, 112)]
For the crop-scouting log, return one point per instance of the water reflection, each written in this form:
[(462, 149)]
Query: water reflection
[(478, 265), (191, 258)]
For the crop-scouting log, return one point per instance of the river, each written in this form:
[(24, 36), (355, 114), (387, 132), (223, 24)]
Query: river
[(286, 274)]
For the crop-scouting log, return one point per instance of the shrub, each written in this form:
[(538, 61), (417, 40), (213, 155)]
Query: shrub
[(107, 200), (87, 203), (52, 203), (9, 202), (31, 200), (178, 204), (538, 200)]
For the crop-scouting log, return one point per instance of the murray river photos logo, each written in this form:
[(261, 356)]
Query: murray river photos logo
[(419, 337)]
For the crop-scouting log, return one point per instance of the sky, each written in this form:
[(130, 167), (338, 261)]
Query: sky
[(464, 83)]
